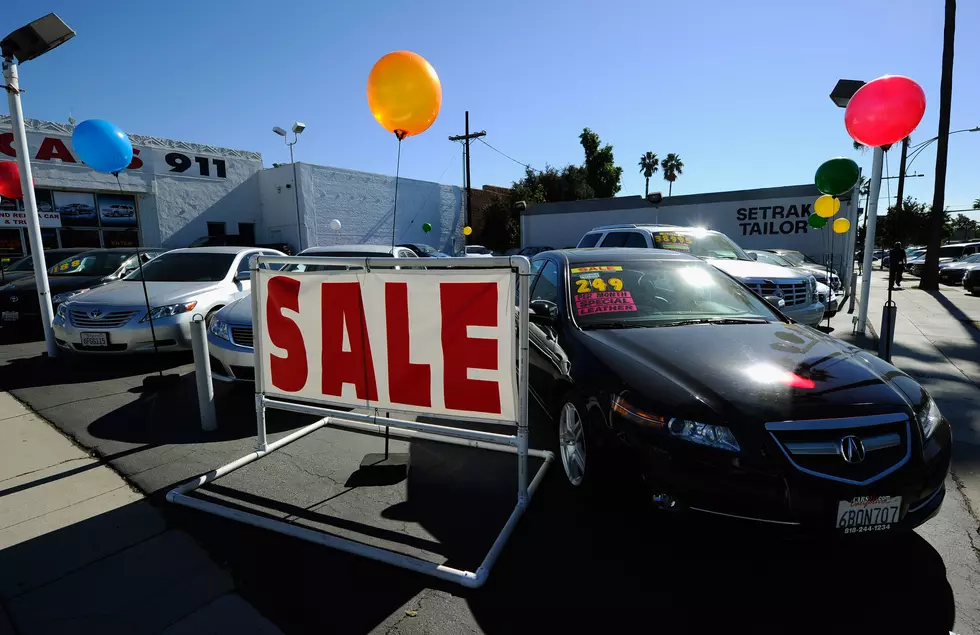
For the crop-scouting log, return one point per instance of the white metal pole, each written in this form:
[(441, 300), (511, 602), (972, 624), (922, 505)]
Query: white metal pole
[(202, 372), (30, 203), (869, 239)]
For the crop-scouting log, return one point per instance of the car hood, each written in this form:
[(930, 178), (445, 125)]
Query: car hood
[(736, 372), (753, 269), (130, 293), (57, 284), (11, 276), (960, 265), (238, 312)]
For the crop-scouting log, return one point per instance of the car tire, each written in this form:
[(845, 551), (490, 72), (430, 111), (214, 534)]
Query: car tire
[(578, 452), (210, 316)]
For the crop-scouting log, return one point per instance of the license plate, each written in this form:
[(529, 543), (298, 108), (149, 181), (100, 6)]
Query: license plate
[(95, 339), (868, 513), (10, 316)]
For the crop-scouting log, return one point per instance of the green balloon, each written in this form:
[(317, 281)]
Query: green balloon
[(837, 176), (816, 222), (426, 227)]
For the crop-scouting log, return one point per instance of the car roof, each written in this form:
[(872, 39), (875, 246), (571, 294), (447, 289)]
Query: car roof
[(228, 249), (650, 227), (618, 254), (385, 249)]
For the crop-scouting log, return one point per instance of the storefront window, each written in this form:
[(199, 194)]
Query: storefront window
[(11, 247), (120, 238), (80, 238)]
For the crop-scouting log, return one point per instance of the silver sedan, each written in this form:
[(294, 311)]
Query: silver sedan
[(180, 284)]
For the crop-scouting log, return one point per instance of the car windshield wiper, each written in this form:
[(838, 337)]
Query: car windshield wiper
[(733, 320), (617, 325)]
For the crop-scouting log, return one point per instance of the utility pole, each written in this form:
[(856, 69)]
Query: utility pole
[(930, 276), (465, 138), (901, 175)]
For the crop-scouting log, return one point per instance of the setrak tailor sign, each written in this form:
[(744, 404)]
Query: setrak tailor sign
[(440, 342)]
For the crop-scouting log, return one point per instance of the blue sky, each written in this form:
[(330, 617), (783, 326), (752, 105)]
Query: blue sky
[(738, 89)]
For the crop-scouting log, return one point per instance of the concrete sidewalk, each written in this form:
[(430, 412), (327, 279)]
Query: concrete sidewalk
[(82, 552), (937, 341)]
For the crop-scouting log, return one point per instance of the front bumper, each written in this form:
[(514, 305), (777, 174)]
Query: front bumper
[(809, 315), (230, 362), (951, 276), (776, 493), (172, 334)]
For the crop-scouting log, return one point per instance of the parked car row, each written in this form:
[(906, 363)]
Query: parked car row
[(659, 353)]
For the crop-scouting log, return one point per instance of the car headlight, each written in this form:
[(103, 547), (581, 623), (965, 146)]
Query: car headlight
[(219, 328), (158, 312), (61, 298), (929, 417), (811, 286), (62, 312), (631, 412), (703, 434)]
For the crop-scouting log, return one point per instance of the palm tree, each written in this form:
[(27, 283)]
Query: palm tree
[(649, 164), (673, 167), (859, 147), (976, 203)]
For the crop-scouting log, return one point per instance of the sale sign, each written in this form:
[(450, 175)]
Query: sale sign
[(438, 342)]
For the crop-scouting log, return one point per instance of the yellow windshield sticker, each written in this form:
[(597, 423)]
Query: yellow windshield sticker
[(597, 268)]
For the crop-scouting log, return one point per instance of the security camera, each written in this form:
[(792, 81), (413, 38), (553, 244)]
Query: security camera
[(279, 131), (520, 205), (299, 127)]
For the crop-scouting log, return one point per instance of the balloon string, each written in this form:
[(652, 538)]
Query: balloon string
[(394, 209)]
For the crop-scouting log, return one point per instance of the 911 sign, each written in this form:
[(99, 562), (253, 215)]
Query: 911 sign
[(180, 163)]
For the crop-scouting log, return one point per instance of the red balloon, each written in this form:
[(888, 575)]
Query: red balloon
[(10, 180), (885, 110)]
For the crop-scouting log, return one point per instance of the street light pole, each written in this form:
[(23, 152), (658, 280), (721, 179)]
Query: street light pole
[(30, 203), (869, 238), (298, 128)]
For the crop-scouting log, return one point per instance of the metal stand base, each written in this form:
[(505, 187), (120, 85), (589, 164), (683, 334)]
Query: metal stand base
[(161, 382), (381, 469)]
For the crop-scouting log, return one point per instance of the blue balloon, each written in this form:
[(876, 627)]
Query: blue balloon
[(102, 146)]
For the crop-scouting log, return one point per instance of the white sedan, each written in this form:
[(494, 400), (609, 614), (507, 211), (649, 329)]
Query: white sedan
[(477, 251), (180, 284)]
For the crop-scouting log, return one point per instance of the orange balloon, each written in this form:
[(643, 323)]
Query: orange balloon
[(404, 93)]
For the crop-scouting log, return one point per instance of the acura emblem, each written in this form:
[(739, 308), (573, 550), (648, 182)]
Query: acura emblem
[(95, 314), (14, 298), (852, 449)]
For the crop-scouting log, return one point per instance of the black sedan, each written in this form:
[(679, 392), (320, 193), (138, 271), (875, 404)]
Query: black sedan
[(660, 362), (77, 273), (24, 267)]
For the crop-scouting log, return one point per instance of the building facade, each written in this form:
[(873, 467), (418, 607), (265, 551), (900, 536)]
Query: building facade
[(175, 192)]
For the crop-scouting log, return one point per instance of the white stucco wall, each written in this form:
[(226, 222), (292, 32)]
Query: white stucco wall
[(363, 203)]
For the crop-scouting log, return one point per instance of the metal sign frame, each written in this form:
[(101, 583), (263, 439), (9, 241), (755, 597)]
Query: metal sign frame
[(514, 444)]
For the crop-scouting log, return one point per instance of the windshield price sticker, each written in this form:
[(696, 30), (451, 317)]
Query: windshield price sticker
[(599, 268), (604, 302), (671, 240), (588, 276), (583, 285)]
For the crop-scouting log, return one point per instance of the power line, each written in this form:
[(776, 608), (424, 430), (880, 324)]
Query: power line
[(504, 154)]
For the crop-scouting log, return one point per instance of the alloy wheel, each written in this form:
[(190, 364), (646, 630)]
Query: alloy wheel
[(571, 444)]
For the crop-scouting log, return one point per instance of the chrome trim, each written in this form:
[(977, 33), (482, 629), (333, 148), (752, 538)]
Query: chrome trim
[(879, 442), (839, 479), (837, 424), (759, 520), (942, 487)]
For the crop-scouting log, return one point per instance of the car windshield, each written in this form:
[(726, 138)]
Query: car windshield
[(425, 249), (773, 259), (953, 251), (700, 243), (100, 263), (651, 293), (476, 249), (335, 254), (27, 264), (185, 266)]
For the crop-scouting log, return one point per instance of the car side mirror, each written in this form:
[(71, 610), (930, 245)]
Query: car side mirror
[(754, 256), (243, 275), (542, 312)]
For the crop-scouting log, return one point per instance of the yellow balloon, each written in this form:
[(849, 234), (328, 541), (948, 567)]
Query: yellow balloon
[(826, 206), (467, 230), (841, 225), (404, 93)]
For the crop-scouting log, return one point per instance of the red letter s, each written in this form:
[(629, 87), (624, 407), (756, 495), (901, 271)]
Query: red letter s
[(469, 304), (288, 373), (136, 163)]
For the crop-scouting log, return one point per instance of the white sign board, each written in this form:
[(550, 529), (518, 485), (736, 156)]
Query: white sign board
[(437, 342), (12, 218)]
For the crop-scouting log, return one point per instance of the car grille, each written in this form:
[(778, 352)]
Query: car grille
[(108, 320), (242, 336), (792, 293), (815, 447)]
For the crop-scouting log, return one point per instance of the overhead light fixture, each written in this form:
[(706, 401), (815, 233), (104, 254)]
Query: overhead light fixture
[(279, 131), (299, 127), (844, 90), (36, 38)]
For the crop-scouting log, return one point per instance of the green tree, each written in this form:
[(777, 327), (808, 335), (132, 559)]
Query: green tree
[(976, 203), (649, 164), (672, 167), (602, 174)]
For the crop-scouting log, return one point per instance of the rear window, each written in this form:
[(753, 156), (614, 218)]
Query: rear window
[(589, 240), (952, 252), (334, 254)]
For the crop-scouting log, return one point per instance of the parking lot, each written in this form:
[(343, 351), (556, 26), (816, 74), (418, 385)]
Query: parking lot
[(615, 565)]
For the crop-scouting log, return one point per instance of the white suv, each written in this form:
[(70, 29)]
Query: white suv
[(796, 293)]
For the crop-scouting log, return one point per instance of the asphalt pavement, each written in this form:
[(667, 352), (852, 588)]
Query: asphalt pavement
[(614, 565)]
